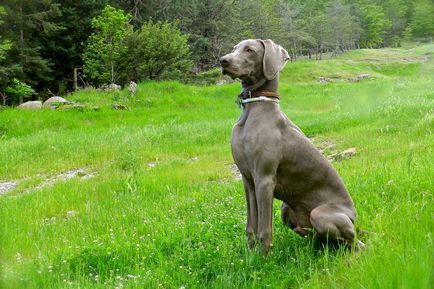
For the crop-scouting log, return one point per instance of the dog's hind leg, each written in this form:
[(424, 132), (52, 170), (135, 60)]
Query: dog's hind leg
[(287, 215), (333, 224), (289, 218)]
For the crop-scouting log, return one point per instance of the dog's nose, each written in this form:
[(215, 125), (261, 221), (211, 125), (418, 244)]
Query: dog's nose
[(224, 61)]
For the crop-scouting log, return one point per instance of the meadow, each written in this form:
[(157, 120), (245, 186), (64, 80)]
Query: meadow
[(152, 201)]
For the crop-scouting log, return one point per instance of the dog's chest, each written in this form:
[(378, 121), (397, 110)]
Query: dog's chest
[(238, 145)]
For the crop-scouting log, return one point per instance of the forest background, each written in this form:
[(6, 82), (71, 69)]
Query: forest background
[(42, 42)]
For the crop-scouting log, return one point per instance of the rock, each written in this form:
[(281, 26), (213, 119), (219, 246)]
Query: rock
[(359, 77), (7, 186), (132, 88), (89, 176), (110, 87), (77, 107), (54, 102), (346, 154), (71, 214), (49, 182), (65, 176), (31, 105), (349, 153), (323, 79), (235, 172)]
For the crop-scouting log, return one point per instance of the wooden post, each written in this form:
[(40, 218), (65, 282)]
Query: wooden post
[(75, 79)]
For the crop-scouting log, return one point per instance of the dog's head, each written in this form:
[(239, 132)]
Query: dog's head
[(254, 59)]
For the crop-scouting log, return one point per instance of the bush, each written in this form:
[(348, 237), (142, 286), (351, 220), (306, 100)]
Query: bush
[(20, 90), (158, 50), (115, 53)]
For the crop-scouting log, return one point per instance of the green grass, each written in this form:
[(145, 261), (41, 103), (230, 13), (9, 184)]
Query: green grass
[(164, 210)]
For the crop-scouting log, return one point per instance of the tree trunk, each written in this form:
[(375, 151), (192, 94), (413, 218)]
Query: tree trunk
[(21, 100), (4, 97), (75, 79), (113, 72), (320, 50)]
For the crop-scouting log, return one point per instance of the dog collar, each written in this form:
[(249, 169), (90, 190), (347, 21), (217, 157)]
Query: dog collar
[(248, 96)]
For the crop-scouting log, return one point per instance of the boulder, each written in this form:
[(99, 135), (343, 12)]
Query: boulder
[(36, 104), (54, 102), (323, 79), (110, 87)]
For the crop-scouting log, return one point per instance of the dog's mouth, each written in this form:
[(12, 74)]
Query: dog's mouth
[(232, 72), (229, 71)]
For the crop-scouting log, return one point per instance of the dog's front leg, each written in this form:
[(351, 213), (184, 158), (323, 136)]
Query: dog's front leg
[(264, 190), (252, 213)]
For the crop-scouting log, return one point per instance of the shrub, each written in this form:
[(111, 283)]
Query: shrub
[(20, 90), (158, 50)]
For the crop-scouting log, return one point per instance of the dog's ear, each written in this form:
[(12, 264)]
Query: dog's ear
[(274, 60)]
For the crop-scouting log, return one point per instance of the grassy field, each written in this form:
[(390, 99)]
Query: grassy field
[(148, 199)]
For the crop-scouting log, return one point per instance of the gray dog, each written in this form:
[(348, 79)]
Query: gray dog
[(277, 160)]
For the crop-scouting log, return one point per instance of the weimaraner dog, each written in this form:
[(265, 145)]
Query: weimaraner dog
[(277, 160)]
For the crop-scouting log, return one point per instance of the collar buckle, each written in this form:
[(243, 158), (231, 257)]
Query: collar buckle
[(245, 94)]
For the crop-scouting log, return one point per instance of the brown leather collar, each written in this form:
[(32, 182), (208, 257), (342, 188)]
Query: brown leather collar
[(248, 94)]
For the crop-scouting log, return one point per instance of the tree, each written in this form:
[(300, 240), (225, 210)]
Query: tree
[(19, 89), (396, 12), (422, 22), (320, 30), (343, 25), (295, 27), (157, 49), (212, 26), (65, 46), (106, 46), (6, 68), (5, 45), (25, 23), (374, 24)]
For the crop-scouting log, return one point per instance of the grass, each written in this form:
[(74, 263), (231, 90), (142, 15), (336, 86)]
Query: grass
[(164, 210)]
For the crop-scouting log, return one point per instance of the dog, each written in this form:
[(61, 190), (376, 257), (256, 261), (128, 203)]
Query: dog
[(277, 160)]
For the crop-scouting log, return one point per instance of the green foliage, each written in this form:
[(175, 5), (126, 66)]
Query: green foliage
[(117, 53), (25, 23), (396, 11), (422, 22), (344, 30), (5, 46), (43, 41), (5, 67), (158, 49), (19, 89), (64, 47), (374, 25), (106, 45)]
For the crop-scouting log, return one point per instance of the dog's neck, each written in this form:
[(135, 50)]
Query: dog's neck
[(269, 85)]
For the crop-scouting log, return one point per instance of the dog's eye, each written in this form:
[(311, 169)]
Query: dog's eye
[(249, 50)]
